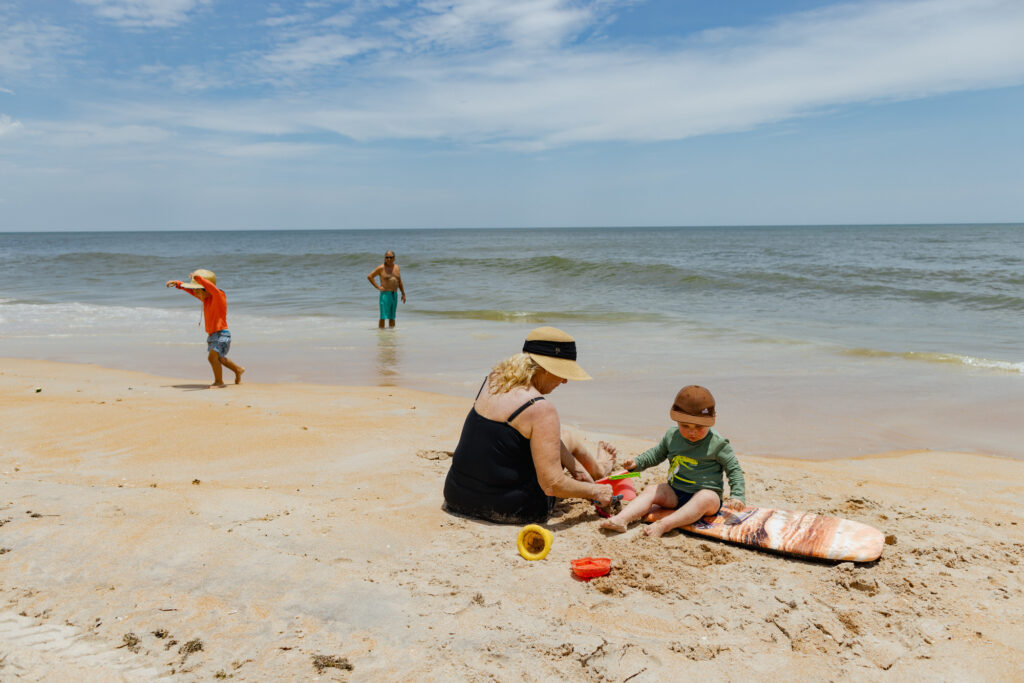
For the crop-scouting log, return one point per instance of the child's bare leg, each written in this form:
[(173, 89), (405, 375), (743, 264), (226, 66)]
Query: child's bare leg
[(218, 379), (704, 502), (599, 464), (605, 458), (233, 367), (659, 494)]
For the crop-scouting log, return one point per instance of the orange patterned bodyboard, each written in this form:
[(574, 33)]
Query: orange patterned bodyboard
[(791, 532)]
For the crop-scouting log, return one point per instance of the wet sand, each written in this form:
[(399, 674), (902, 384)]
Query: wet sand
[(152, 527)]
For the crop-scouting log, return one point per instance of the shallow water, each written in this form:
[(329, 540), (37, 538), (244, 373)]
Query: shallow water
[(817, 341)]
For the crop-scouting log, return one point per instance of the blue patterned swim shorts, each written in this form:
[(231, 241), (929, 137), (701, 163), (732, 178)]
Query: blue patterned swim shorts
[(219, 341)]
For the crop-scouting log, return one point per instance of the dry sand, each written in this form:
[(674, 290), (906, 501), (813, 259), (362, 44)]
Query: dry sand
[(153, 528)]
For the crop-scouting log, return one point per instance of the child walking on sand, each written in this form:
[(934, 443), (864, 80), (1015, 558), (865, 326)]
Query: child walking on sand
[(203, 286), (698, 457)]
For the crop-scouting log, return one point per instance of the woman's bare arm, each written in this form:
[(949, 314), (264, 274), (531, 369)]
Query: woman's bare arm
[(542, 427)]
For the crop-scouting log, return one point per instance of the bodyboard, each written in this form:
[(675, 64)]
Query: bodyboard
[(788, 531)]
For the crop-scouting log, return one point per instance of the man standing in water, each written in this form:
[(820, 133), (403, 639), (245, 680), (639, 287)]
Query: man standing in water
[(390, 281)]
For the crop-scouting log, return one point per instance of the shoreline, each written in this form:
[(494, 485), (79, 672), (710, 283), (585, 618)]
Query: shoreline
[(818, 412), (267, 529)]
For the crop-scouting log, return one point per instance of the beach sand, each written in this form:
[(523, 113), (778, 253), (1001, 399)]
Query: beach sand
[(150, 527)]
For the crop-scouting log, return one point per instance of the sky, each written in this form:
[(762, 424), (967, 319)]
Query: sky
[(234, 114)]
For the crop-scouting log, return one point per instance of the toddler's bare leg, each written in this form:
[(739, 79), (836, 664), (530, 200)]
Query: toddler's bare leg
[(233, 367), (659, 494), (599, 464), (218, 379), (605, 457), (704, 502)]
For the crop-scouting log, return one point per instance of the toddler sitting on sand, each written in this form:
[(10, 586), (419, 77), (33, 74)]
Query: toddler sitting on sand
[(698, 457)]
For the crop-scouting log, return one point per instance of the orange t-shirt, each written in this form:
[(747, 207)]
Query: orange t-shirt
[(215, 306)]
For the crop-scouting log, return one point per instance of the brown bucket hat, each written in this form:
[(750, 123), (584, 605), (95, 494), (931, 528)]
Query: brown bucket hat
[(694, 405), (555, 351)]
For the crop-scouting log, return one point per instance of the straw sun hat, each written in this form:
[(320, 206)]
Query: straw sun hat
[(555, 351), (202, 272)]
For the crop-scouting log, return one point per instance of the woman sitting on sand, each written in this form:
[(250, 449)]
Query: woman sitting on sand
[(512, 457)]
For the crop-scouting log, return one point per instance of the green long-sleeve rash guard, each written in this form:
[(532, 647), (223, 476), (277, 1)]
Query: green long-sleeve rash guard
[(696, 466)]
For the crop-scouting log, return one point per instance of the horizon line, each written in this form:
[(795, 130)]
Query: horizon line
[(527, 227)]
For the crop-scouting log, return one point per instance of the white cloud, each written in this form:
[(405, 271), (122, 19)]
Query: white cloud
[(340, 20), (262, 150), (186, 78), (526, 23), (89, 134), (29, 48), (718, 82), (316, 51), (487, 72), (8, 125), (287, 19), (532, 87), (144, 13)]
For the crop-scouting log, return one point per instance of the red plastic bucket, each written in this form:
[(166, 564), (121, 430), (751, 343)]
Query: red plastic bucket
[(620, 487)]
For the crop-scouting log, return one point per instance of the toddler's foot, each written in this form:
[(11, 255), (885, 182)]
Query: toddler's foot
[(611, 524), (238, 374), (655, 529), (606, 454)]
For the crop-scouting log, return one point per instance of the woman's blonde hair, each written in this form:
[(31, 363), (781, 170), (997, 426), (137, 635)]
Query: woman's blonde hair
[(514, 371)]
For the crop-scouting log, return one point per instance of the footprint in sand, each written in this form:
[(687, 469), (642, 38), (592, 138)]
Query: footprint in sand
[(36, 651), (433, 455)]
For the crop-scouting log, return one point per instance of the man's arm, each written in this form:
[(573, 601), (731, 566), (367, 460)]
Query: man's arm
[(375, 273), (401, 287)]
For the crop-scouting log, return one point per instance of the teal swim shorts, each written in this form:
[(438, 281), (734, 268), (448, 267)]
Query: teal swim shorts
[(388, 305)]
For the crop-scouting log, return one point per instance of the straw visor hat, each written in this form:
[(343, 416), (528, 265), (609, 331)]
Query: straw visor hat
[(202, 272), (555, 351)]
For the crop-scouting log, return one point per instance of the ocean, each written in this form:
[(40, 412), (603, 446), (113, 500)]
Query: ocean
[(818, 341)]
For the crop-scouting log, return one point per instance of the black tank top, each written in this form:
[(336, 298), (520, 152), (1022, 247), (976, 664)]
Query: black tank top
[(492, 474)]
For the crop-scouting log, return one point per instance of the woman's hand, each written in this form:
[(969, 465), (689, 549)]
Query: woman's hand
[(734, 504), (604, 496)]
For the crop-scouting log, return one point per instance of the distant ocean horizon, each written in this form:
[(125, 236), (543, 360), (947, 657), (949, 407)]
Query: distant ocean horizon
[(924, 306)]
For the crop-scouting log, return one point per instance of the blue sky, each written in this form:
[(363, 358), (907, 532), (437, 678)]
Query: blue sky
[(234, 114)]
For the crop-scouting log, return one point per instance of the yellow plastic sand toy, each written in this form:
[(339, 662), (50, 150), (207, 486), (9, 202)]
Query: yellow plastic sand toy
[(534, 542)]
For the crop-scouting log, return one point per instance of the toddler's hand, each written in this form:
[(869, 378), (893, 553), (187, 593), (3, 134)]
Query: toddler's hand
[(629, 465), (171, 283), (734, 504)]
